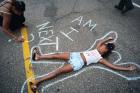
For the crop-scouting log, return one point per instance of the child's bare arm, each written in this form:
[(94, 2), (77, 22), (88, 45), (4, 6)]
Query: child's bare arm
[(117, 67)]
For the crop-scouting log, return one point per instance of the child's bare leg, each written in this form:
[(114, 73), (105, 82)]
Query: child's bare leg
[(62, 56), (36, 55), (65, 69)]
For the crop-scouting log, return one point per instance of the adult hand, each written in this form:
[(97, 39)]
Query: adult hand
[(20, 39)]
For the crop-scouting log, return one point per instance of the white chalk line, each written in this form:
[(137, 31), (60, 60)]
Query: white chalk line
[(89, 22), (48, 38), (119, 55), (44, 26), (103, 38), (66, 36), (31, 39), (81, 18), (136, 5), (93, 27), (53, 43)]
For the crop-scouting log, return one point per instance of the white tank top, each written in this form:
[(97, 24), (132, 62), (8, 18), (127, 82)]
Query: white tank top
[(92, 56)]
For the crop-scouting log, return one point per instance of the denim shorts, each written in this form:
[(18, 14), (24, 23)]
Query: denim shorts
[(76, 61)]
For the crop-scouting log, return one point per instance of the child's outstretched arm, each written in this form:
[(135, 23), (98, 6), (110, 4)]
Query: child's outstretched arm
[(117, 67)]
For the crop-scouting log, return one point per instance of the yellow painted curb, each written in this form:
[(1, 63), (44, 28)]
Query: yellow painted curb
[(26, 55)]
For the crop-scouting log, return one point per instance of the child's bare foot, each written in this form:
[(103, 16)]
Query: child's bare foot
[(33, 87), (36, 54)]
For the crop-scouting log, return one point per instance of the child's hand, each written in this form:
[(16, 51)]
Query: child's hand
[(132, 68)]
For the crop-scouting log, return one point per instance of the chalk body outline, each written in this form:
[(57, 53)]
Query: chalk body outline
[(85, 69)]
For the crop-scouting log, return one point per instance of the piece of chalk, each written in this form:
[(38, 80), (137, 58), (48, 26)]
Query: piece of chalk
[(9, 40)]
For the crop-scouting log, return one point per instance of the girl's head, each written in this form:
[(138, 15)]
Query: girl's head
[(106, 49), (19, 7)]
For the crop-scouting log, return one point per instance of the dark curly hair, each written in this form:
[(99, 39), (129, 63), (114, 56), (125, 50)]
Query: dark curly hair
[(110, 47), (19, 5)]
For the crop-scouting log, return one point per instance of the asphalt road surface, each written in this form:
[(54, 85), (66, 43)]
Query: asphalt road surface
[(68, 29)]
